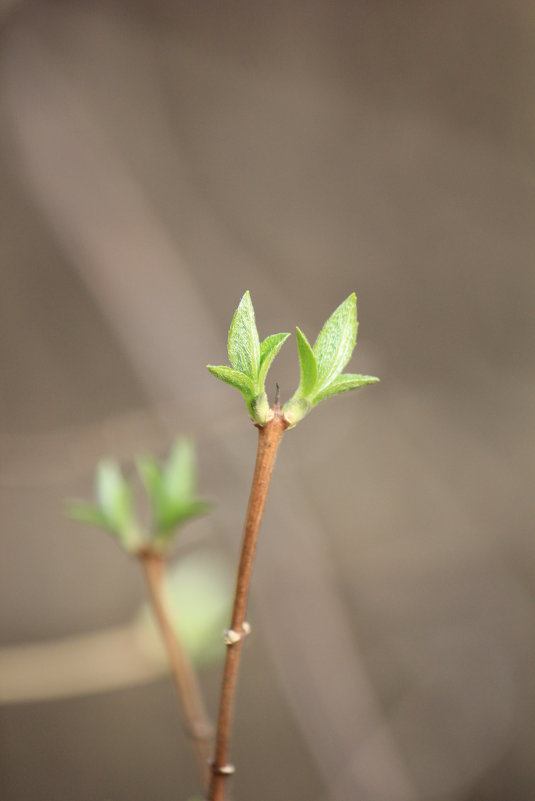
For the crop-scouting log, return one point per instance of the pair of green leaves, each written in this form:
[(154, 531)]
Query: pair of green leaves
[(250, 360), (321, 365), (171, 489)]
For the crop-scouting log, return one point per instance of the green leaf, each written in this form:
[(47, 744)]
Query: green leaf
[(331, 352), (243, 341), (150, 472), (344, 383), (113, 511), (336, 341), (85, 512), (234, 378), (114, 497), (176, 513), (180, 471), (308, 365), (268, 350), (250, 361), (171, 488)]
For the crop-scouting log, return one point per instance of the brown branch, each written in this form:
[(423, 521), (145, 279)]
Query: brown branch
[(198, 724), (269, 438)]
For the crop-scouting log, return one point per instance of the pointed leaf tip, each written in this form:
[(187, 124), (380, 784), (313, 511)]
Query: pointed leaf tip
[(243, 342), (344, 383), (250, 360), (268, 350), (336, 341), (307, 363)]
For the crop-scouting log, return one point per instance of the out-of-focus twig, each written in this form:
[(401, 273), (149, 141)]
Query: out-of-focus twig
[(189, 693)]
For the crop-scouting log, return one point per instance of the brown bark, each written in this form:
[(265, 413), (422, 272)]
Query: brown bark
[(269, 438)]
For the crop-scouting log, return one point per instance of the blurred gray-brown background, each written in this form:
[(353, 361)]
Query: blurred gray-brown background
[(156, 160)]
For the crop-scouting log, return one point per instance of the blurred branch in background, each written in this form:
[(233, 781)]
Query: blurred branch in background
[(198, 590), (79, 665)]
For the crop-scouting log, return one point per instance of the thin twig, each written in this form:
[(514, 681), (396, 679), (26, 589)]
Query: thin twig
[(269, 438), (198, 724)]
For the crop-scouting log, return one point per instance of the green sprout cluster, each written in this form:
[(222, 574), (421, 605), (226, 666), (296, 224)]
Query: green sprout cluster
[(171, 486), (171, 489), (250, 360), (321, 365), (193, 609)]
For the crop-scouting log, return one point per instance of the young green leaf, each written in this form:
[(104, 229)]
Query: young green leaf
[(336, 342), (114, 497), (268, 350), (85, 512), (250, 361), (322, 365), (234, 378), (172, 489), (180, 471), (113, 510), (175, 513), (150, 473), (243, 341), (344, 383), (307, 363)]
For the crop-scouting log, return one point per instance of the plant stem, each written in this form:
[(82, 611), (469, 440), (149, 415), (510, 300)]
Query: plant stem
[(199, 727), (269, 438)]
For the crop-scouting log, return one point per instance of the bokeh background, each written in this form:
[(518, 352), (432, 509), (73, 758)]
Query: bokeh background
[(156, 160)]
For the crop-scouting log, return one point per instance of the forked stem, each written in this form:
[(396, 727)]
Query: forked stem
[(199, 727), (269, 438)]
